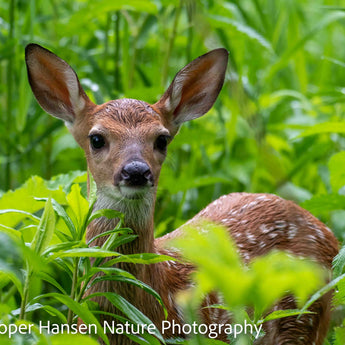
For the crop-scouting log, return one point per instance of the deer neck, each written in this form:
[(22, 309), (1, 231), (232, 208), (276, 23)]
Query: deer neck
[(138, 216)]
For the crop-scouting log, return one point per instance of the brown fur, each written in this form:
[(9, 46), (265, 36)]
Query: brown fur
[(258, 223)]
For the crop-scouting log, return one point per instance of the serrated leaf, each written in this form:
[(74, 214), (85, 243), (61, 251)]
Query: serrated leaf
[(339, 262), (324, 203)]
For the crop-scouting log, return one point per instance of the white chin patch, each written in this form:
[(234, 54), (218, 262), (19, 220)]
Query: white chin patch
[(133, 192)]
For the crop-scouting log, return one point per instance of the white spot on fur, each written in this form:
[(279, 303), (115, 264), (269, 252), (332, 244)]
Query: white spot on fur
[(251, 238), (292, 231)]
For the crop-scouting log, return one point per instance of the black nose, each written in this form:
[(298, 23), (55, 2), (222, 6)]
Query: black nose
[(136, 174)]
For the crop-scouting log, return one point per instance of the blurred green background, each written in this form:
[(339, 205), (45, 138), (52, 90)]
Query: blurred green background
[(276, 127)]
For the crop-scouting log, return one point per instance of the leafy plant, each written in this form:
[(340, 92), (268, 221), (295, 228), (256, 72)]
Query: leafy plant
[(61, 245)]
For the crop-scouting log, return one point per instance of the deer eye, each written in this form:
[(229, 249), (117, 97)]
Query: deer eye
[(161, 143), (97, 141)]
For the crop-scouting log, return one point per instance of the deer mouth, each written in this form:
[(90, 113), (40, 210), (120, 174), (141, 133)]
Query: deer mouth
[(134, 192)]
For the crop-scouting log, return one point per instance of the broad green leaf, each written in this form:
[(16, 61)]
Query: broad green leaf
[(337, 172), (23, 199), (324, 203), (45, 229), (79, 207), (324, 128), (339, 336)]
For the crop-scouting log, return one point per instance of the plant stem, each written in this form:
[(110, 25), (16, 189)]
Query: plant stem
[(25, 293), (10, 72), (117, 77), (73, 289), (171, 43)]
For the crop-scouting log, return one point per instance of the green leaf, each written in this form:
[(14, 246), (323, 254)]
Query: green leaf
[(324, 128), (80, 310), (135, 282), (37, 306), (63, 214), (24, 99), (45, 276), (278, 314), (108, 213), (5, 274), (23, 199), (331, 285), (84, 252), (79, 207), (128, 309), (146, 258), (339, 262), (336, 168), (64, 339), (324, 203), (339, 335), (107, 233), (45, 229), (27, 214)]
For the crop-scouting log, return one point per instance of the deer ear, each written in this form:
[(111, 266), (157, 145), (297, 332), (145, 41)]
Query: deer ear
[(194, 89), (54, 84)]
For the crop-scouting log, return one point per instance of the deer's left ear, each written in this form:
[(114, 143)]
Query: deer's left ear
[(194, 89)]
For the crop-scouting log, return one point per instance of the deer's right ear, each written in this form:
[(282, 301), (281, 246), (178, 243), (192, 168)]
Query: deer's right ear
[(54, 84)]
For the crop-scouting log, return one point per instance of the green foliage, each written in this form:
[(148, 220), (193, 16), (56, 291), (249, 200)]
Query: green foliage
[(258, 286), (54, 254), (276, 127)]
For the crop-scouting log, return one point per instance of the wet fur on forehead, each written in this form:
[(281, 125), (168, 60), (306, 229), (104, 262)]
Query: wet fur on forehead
[(128, 112)]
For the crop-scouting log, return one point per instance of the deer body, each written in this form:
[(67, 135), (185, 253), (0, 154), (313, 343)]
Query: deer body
[(125, 145)]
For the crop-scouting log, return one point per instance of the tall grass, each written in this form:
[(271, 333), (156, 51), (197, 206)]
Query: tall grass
[(277, 126)]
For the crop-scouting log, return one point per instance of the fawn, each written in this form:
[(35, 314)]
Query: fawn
[(125, 143)]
